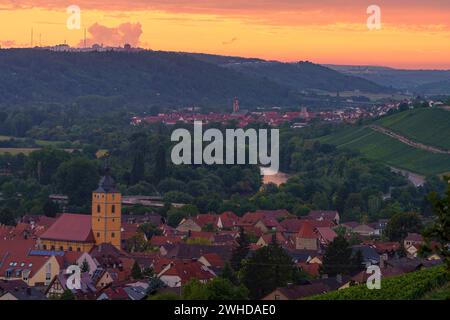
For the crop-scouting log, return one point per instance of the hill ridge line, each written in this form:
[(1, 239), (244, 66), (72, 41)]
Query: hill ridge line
[(408, 141)]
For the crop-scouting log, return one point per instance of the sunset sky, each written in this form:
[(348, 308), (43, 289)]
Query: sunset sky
[(414, 34)]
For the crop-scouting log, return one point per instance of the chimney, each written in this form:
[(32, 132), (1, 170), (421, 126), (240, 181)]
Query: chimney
[(383, 260)]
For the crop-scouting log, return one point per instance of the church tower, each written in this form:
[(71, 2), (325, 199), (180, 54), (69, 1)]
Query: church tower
[(106, 212)]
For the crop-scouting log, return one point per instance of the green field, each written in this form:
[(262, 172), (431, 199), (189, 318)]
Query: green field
[(416, 285), (429, 126), (15, 151), (377, 146), (42, 143)]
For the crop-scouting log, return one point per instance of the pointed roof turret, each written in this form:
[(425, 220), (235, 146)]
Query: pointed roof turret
[(107, 183)]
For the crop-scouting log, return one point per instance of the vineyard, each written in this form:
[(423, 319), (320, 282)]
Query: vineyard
[(380, 147), (409, 286)]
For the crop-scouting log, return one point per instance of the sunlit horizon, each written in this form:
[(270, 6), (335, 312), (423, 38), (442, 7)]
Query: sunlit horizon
[(413, 35)]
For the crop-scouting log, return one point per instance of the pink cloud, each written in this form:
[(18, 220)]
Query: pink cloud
[(115, 36)]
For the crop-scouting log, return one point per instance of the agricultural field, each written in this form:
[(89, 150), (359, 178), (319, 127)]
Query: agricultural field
[(377, 146), (15, 151), (429, 126), (424, 284)]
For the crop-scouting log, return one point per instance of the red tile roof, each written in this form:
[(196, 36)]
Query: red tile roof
[(229, 219), (327, 234), (292, 225), (188, 270), (71, 227), (14, 256), (162, 240), (414, 237), (307, 231), (310, 268), (129, 230), (205, 219), (214, 259), (323, 214)]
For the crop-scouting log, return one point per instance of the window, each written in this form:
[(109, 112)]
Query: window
[(98, 234), (53, 248), (44, 247), (78, 249), (69, 248), (48, 274), (113, 209), (61, 248), (98, 208), (113, 234)]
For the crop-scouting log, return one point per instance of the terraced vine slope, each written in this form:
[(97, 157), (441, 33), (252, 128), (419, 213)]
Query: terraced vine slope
[(427, 126)]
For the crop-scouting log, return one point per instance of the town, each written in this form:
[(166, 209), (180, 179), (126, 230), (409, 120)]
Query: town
[(243, 118), (35, 254)]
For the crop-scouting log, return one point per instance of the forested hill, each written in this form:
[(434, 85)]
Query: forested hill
[(164, 79)]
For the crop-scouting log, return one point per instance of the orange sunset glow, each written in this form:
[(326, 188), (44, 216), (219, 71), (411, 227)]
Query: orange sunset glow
[(414, 34)]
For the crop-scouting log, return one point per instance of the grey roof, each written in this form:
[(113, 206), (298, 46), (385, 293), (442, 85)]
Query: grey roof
[(195, 251), (333, 283), (106, 185), (301, 255), (135, 293), (369, 253), (20, 290), (295, 292)]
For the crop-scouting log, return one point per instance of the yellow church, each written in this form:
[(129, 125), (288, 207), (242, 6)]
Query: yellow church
[(80, 232)]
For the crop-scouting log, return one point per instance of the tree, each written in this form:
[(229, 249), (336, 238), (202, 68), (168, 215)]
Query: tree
[(164, 296), (229, 274), (136, 243), (160, 164), (77, 178), (268, 268), (136, 272), (85, 266), (241, 251), (42, 164), (400, 224), (337, 258), (138, 148), (149, 230), (440, 230), (148, 273), (50, 208), (175, 215), (216, 289), (67, 295), (7, 217), (357, 261)]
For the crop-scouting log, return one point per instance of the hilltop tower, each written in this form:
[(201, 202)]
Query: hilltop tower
[(235, 105), (106, 212)]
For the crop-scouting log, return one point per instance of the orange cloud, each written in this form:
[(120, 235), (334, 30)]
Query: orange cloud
[(116, 36)]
